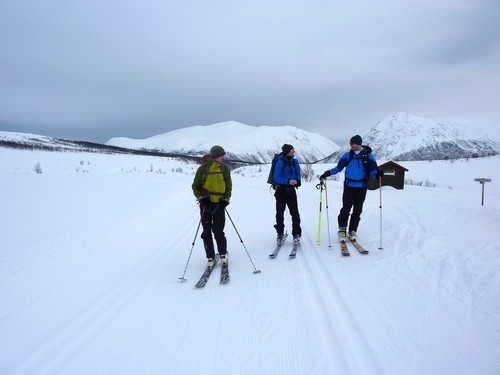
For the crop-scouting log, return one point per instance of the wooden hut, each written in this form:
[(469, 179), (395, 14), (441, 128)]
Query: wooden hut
[(394, 175)]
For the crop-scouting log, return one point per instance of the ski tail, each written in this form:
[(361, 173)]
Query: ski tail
[(278, 247), (360, 248), (206, 274), (343, 249), (224, 274)]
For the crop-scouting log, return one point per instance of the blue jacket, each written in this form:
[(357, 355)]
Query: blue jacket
[(285, 170), (356, 172)]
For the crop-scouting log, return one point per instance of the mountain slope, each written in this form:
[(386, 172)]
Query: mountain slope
[(243, 142), (402, 136)]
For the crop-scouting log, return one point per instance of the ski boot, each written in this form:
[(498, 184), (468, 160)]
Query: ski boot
[(342, 234)]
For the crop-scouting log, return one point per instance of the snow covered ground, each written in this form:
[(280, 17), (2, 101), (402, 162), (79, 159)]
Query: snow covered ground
[(93, 248)]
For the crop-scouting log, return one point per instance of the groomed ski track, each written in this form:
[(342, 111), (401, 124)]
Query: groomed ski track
[(108, 299)]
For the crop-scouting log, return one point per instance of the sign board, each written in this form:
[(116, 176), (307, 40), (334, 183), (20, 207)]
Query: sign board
[(482, 181)]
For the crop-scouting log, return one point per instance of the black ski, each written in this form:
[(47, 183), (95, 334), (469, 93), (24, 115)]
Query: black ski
[(278, 248), (206, 275), (293, 253), (224, 274), (360, 248)]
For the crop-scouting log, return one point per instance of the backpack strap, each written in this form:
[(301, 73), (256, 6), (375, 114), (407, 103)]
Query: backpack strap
[(207, 171), (205, 176), (351, 156), (364, 161), (275, 185)]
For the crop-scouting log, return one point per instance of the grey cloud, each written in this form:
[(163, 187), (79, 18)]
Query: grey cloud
[(104, 69), (472, 35)]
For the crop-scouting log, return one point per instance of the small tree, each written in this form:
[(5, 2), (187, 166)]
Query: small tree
[(38, 168), (307, 173)]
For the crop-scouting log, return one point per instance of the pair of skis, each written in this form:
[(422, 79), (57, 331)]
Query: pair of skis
[(293, 253), (345, 251), (224, 274)]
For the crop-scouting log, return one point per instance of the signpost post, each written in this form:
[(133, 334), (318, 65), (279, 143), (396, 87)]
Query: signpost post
[(482, 181)]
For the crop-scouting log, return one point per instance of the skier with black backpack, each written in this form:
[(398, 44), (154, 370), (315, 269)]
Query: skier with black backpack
[(360, 165), (285, 180)]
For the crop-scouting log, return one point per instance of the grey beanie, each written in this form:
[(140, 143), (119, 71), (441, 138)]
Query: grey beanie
[(216, 151)]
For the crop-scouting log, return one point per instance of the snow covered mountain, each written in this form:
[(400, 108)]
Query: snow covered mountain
[(242, 142), (29, 141), (402, 136)]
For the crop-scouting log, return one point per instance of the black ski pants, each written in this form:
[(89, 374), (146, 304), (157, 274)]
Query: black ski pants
[(351, 198), (287, 197), (213, 219)]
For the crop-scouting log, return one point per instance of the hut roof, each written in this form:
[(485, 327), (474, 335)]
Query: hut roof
[(393, 165)]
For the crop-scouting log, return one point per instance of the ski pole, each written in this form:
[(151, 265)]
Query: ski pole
[(249, 257), (320, 187), (327, 216), (183, 279), (380, 186)]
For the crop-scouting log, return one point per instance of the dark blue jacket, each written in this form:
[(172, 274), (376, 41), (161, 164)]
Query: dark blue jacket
[(286, 169), (356, 173)]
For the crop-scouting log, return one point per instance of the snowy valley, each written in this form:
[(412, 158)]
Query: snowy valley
[(94, 245)]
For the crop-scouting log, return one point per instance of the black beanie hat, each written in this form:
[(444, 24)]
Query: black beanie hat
[(286, 149), (216, 151), (356, 140)]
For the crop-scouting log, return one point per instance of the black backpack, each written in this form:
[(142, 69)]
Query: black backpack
[(270, 178)]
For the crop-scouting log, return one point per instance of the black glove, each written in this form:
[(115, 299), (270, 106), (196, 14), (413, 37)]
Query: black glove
[(224, 202), (203, 200), (325, 175), (380, 173)]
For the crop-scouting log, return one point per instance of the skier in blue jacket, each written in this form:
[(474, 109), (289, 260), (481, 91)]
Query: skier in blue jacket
[(287, 177), (360, 165)]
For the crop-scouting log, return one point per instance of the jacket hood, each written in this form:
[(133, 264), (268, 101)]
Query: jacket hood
[(367, 148)]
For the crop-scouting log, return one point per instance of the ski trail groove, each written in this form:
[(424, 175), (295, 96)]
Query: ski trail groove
[(327, 326), (58, 349), (345, 329)]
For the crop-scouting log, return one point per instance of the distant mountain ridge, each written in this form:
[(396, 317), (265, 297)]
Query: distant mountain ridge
[(242, 142), (399, 137), (405, 137), (402, 136)]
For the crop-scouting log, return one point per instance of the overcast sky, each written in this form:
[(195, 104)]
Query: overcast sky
[(96, 69)]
